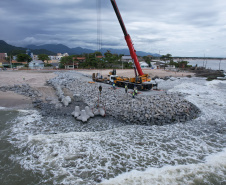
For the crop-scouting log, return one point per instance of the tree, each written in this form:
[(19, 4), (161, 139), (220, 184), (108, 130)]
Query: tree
[(165, 58), (24, 58), (97, 53), (43, 57), (147, 60), (108, 54), (111, 59), (66, 61), (183, 64), (101, 63)]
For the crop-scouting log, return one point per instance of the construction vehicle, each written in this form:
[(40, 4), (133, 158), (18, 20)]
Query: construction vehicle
[(141, 81)]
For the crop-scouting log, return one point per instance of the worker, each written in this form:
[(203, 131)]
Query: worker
[(126, 88), (133, 94), (135, 90), (113, 85), (100, 89)]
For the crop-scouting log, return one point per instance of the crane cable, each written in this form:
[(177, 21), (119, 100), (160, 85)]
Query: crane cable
[(99, 28), (99, 31)]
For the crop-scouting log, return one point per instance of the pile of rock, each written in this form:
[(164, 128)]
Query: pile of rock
[(23, 89), (66, 100), (155, 109)]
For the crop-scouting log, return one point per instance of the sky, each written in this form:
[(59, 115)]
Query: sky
[(189, 28)]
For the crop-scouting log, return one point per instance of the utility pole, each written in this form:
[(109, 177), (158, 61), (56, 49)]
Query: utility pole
[(220, 65), (10, 61)]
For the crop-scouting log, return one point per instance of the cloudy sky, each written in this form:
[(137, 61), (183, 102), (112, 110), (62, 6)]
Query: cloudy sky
[(178, 27)]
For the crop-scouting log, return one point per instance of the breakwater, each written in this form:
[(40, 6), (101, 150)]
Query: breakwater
[(151, 109)]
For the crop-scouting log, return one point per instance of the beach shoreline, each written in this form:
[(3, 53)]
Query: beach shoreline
[(13, 100)]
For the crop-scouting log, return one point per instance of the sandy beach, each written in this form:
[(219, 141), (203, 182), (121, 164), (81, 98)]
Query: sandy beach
[(12, 100), (36, 79)]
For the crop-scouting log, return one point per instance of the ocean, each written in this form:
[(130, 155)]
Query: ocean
[(209, 64), (48, 150)]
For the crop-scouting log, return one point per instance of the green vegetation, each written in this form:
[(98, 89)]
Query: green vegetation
[(43, 57), (168, 59), (24, 58), (95, 60), (180, 64)]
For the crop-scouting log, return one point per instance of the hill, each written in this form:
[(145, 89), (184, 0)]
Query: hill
[(9, 49), (52, 49), (60, 48)]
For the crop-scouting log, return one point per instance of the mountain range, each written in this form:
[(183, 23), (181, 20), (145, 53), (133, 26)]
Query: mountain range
[(52, 49), (10, 49), (60, 48)]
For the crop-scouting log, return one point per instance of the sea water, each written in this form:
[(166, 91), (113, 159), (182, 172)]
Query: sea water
[(40, 150), (209, 64)]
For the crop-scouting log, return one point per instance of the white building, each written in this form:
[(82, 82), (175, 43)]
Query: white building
[(36, 64), (127, 59), (143, 64)]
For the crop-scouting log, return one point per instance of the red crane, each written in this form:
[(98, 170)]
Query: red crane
[(128, 39)]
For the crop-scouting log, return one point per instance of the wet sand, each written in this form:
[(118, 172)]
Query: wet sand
[(12, 100), (35, 79)]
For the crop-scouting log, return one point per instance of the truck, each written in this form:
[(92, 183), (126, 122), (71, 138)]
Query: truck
[(141, 81)]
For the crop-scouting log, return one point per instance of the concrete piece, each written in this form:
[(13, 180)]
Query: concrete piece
[(89, 112), (83, 117), (102, 111), (76, 112), (66, 100)]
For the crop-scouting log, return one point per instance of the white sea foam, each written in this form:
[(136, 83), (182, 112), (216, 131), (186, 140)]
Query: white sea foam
[(182, 174), (208, 97), (171, 154)]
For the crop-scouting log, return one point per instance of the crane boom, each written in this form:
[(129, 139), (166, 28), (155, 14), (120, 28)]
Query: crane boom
[(128, 39)]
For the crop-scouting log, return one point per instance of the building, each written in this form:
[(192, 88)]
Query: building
[(127, 58), (3, 61), (3, 57), (143, 64), (17, 65), (157, 64), (36, 64), (80, 59)]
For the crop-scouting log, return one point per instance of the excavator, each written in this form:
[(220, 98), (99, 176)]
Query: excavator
[(141, 81)]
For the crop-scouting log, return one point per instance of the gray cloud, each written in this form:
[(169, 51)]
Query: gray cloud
[(182, 28)]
